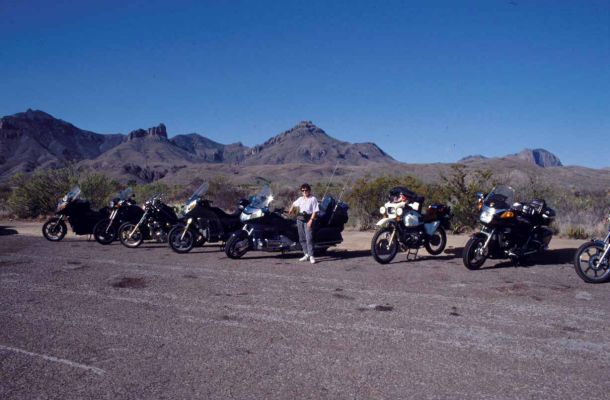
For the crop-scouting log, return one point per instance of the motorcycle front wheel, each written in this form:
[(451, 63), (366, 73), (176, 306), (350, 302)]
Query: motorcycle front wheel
[(236, 247), (104, 234), (589, 265), (437, 242), (54, 230), (382, 249), (130, 236), (181, 240), (474, 256)]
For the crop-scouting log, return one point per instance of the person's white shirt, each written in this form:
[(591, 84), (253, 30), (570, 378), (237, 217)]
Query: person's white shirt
[(307, 205)]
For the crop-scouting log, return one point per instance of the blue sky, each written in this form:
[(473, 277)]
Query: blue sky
[(428, 81)]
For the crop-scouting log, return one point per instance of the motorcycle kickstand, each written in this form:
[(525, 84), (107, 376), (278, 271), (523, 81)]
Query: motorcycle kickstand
[(412, 254)]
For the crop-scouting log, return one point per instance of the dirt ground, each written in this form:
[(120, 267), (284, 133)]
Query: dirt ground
[(80, 320)]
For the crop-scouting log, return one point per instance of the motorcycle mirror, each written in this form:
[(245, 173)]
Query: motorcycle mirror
[(480, 195)]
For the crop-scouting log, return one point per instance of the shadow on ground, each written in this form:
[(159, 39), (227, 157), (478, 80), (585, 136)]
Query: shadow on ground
[(6, 230)]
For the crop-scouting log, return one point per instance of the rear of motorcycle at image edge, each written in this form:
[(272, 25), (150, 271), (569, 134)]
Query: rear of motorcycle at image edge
[(592, 260), (77, 212), (405, 228), (509, 230), (156, 221), (123, 209), (270, 231), (202, 223)]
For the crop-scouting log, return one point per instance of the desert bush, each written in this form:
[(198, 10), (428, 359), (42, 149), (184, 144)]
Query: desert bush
[(39, 193), (225, 194), (576, 232), (460, 188), (98, 189), (144, 192), (368, 194)]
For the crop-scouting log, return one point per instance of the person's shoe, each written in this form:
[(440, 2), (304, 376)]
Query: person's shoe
[(304, 258), (312, 260)]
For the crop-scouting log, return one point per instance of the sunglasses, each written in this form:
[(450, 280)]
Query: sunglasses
[(304, 190)]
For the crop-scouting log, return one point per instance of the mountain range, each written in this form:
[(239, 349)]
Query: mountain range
[(34, 139)]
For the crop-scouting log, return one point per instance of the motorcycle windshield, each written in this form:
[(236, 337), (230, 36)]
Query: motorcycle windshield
[(199, 192), (72, 194), (125, 194), (262, 199), (501, 197)]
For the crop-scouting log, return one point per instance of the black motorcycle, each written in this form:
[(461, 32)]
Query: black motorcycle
[(510, 230), (203, 223), (156, 221), (77, 212), (592, 260), (405, 227), (266, 230), (123, 209)]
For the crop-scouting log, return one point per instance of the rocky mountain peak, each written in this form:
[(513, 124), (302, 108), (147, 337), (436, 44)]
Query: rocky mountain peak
[(540, 157), (302, 130), (156, 131)]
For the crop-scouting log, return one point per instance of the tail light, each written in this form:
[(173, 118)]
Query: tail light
[(507, 214)]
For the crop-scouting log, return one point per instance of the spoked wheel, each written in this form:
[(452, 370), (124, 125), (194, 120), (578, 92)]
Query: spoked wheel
[(103, 232), (236, 247), (182, 240), (474, 253), (54, 230), (384, 245), (589, 265), (130, 236), (437, 242)]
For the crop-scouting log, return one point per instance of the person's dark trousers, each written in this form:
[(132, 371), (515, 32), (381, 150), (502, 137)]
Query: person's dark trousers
[(305, 238)]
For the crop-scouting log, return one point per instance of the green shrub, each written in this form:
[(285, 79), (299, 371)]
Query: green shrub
[(576, 232), (98, 189), (460, 188), (39, 193)]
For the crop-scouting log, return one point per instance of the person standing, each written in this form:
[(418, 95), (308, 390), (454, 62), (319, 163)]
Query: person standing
[(308, 212)]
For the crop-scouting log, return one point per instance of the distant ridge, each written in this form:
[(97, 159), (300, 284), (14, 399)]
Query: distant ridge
[(540, 157)]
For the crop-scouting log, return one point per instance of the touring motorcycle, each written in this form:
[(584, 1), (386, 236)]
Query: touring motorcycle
[(156, 221), (77, 212), (510, 230), (267, 230), (123, 209), (405, 227), (592, 260), (203, 223)]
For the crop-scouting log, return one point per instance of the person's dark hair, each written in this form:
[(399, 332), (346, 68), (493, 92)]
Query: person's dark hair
[(306, 186)]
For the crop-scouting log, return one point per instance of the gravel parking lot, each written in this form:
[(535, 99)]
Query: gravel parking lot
[(81, 320)]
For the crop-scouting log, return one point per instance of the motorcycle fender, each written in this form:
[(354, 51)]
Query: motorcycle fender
[(431, 227), (480, 235), (599, 242), (241, 234), (385, 222)]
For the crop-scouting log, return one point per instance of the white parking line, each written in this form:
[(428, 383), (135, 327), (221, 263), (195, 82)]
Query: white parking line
[(95, 370)]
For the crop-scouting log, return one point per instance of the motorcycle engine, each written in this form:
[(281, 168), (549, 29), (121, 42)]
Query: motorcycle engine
[(157, 232)]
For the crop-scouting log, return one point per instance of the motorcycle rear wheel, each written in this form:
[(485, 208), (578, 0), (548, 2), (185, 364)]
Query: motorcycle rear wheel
[(236, 247), (437, 242), (589, 266), (382, 250), (136, 238), (181, 241), (54, 230), (472, 258), (103, 234)]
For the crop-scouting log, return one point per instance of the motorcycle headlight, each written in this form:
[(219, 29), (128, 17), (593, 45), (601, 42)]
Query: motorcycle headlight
[(399, 211), (382, 210), (486, 216), (190, 206)]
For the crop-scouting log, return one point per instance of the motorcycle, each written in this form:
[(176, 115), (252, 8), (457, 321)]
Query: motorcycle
[(510, 230), (156, 221), (592, 260), (203, 223), (77, 212), (404, 227), (124, 209), (266, 230)]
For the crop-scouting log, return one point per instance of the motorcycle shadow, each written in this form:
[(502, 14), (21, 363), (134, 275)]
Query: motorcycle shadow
[(6, 230), (549, 258)]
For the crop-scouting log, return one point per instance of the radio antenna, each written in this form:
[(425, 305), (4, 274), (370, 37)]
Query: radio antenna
[(331, 180)]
